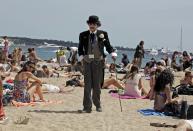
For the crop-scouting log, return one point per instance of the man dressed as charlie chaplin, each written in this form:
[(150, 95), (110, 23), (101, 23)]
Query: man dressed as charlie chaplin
[(91, 52)]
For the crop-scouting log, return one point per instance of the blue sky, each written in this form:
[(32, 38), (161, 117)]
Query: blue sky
[(157, 22)]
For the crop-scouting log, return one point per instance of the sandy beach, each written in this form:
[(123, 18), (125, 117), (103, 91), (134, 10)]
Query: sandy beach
[(131, 59), (64, 116)]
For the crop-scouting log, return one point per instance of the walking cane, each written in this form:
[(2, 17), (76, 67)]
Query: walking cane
[(118, 89)]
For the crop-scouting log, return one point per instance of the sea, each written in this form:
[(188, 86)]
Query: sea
[(47, 52)]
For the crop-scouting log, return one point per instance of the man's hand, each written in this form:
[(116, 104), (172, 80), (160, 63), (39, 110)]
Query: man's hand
[(114, 56), (80, 58)]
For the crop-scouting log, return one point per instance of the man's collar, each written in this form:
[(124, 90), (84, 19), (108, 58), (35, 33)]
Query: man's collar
[(93, 32)]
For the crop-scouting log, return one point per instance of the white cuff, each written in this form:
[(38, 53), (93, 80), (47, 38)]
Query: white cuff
[(80, 58), (113, 54)]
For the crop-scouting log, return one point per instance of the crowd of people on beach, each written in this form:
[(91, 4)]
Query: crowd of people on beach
[(27, 82), (21, 75)]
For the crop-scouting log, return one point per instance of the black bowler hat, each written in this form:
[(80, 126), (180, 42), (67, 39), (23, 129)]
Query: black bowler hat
[(94, 20)]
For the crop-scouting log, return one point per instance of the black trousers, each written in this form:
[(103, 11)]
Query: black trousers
[(93, 77)]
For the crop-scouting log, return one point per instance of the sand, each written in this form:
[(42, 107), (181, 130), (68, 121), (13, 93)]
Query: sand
[(64, 117)]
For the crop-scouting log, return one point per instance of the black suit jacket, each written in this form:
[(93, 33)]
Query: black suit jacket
[(103, 42)]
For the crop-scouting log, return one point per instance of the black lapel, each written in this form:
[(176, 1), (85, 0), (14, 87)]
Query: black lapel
[(86, 38), (98, 34), (100, 42)]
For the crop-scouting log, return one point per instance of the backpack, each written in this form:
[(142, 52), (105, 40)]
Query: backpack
[(7, 99), (184, 90), (73, 82), (172, 109)]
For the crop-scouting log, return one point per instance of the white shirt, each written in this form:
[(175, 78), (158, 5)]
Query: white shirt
[(93, 32), (73, 49)]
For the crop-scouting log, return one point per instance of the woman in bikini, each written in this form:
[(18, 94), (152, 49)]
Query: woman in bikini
[(163, 93), (133, 83), (23, 90), (154, 73)]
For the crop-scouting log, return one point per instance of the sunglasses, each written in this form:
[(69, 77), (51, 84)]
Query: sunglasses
[(32, 67), (92, 24)]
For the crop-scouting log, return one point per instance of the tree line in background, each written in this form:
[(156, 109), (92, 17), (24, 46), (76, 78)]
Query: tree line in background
[(34, 42)]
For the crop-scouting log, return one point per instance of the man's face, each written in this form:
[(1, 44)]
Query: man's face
[(92, 27), (45, 69), (189, 78), (31, 68)]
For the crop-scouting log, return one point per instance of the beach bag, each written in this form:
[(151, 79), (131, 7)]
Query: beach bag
[(73, 82), (172, 109), (185, 90), (7, 98)]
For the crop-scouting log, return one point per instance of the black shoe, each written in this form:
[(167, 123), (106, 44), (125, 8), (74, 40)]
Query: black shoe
[(84, 111), (99, 109)]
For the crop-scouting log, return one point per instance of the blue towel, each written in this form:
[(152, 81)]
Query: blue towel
[(150, 112)]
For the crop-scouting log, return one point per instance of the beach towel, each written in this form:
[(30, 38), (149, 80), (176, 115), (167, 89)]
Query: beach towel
[(46, 103), (116, 95), (150, 112)]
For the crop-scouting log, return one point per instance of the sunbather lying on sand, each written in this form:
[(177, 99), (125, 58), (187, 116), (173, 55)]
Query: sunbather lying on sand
[(47, 88), (49, 73)]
